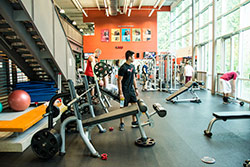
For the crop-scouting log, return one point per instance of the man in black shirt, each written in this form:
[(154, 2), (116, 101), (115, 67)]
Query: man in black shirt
[(127, 85)]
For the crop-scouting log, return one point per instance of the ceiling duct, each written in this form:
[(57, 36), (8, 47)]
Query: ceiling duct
[(113, 7)]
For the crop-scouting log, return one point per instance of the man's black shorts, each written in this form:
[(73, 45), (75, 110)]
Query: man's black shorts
[(91, 80), (129, 98)]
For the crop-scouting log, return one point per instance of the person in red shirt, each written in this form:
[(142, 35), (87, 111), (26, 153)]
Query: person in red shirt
[(225, 84), (92, 60)]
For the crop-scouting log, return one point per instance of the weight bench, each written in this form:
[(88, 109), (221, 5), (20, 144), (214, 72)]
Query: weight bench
[(110, 94), (186, 87), (88, 124), (225, 116)]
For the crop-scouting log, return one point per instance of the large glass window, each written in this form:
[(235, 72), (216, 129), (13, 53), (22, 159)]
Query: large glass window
[(231, 22), (244, 16), (229, 4), (204, 34), (246, 54), (227, 54), (218, 56), (232, 36), (204, 18), (163, 31), (235, 51)]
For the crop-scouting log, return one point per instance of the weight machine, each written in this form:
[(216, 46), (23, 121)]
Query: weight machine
[(167, 72), (153, 66)]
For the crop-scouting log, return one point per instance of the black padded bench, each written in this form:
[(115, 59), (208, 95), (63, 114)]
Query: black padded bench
[(225, 116), (120, 113), (183, 89), (110, 94)]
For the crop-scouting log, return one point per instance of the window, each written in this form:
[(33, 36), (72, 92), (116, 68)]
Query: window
[(229, 4), (227, 54), (231, 22), (218, 57), (246, 54), (235, 51)]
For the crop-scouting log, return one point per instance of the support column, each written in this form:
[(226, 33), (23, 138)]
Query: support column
[(213, 49), (193, 33)]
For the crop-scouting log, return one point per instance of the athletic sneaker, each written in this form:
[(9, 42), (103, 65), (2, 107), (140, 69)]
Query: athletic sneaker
[(121, 127), (134, 124)]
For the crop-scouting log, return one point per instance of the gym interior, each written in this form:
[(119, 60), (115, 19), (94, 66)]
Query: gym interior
[(49, 117)]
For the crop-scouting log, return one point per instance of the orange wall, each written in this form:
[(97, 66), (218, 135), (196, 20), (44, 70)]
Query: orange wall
[(138, 19)]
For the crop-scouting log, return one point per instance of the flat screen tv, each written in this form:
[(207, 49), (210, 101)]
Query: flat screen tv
[(149, 55), (86, 55)]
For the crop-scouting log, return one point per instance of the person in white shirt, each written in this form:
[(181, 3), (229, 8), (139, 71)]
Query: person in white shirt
[(188, 72)]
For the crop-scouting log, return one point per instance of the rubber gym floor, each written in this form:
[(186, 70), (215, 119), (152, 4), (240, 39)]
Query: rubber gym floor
[(179, 139)]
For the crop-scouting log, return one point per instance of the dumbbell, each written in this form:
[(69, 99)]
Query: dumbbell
[(160, 110)]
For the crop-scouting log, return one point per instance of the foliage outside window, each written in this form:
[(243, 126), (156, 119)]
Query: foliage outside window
[(235, 52), (163, 28), (218, 56)]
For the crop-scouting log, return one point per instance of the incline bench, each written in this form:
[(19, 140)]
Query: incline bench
[(225, 116), (186, 87), (46, 149)]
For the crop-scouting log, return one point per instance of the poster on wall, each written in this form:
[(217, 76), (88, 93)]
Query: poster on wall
[(146, 34), (115, 35), (105, 35), (136, 34), (125, 35)]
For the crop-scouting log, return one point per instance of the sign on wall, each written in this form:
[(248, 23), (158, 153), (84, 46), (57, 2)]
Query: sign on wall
[(136, 34), (115, 35), (126, 35), (105, 35), (146, 34)]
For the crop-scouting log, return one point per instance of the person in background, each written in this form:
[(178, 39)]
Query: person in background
[(89, 72), (188, 72), (226, 86), (145, 76), (114, 75), (127, 86)]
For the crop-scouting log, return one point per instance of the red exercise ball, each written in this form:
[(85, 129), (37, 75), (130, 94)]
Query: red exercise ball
[(19, 100)]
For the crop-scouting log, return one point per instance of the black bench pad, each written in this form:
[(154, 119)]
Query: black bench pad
[(123, 112), (110, 94), (181, 90), (232, 115)]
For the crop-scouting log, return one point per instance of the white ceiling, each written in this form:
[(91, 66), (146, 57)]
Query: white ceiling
[(74, 14)]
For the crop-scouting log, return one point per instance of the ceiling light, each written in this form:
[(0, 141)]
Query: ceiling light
[(161, 4), (74, 22), (131, 4), (152, 11), (107, 12), (140, 4), (105, 3), (157, 2), (79, 7), (62, 11), (81, 30), (97, 4), (129, 12)]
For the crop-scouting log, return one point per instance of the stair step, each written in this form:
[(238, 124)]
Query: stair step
[(31, 60), (6, 30), (34, 65), (38, 69), (17, 44), (41, 73)]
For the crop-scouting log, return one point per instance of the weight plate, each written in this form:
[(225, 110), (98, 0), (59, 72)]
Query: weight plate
[(102, 69), (46, 143), (145, 143)]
